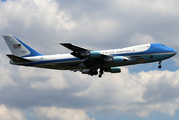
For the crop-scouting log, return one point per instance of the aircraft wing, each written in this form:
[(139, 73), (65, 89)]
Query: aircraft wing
[(80, 52), (73, 47), (77, 51), (92, 58)]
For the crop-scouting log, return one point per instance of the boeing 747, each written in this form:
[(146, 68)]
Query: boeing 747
[(86, 61)]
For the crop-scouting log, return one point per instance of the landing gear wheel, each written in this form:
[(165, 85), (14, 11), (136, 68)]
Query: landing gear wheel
[(96, 72), (159, 66), (93, 72), (101, 72), (100, 75)]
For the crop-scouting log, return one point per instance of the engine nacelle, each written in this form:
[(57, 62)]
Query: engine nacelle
[(95, 54), (118, 59), (92, 54), (113, 70)]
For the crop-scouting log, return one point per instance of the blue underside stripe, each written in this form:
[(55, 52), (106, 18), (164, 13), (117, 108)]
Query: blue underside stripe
[(51, 61)]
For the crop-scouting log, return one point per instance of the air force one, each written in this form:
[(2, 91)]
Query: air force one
[(91, 62)]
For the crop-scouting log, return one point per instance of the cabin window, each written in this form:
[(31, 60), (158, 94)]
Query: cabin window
[(151, 56)]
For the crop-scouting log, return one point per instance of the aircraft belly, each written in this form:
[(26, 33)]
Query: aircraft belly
[(62, 65), (156, 57), (132, 61), (141, 59)]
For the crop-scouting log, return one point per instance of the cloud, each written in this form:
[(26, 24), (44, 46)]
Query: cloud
[(6, 80), (106, 23), (50, 79), (55, 113), (41, 18), (142, 39), (177, 61), (11, 114), (157, 19), (39, 12), (135, 94)]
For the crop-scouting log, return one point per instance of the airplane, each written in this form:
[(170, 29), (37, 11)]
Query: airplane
[(86, 61)]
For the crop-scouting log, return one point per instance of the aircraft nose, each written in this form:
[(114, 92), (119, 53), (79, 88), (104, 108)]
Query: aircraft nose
[(174, 52)]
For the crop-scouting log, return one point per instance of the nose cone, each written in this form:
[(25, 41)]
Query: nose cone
[(175, 52), (171, 51)]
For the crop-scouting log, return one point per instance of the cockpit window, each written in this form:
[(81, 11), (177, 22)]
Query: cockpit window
[(163, 45)]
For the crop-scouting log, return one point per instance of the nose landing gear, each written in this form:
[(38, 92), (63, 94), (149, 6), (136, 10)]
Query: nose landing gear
[(160, 66)]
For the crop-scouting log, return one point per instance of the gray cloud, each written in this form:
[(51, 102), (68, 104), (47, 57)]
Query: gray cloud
[(138, 92), (155, 18)]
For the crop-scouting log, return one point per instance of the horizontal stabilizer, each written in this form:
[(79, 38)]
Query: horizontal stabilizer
[(18, 59)]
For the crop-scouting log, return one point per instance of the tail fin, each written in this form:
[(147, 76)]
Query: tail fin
[(18, 48)]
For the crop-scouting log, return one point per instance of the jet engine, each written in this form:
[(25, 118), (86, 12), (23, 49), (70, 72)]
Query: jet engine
[(113, 70), (92, 54), (95, 54), (117, 59)]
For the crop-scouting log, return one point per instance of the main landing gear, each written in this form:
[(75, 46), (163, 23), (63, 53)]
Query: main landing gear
[(160, 66), (101, 72), (95, 72)]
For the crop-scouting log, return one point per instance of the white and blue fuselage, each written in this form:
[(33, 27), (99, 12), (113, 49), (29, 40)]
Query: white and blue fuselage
[(85, 60), (137, 54)]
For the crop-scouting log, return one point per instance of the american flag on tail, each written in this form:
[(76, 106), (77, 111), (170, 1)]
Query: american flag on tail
[(15, 46)]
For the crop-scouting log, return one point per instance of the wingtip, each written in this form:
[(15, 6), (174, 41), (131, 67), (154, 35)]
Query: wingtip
[(65, 44)]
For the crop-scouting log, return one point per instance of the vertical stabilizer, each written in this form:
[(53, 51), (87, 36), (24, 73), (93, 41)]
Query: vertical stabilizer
[(18, 48)]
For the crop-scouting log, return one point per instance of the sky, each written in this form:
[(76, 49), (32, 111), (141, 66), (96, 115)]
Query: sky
[(139, 92)]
